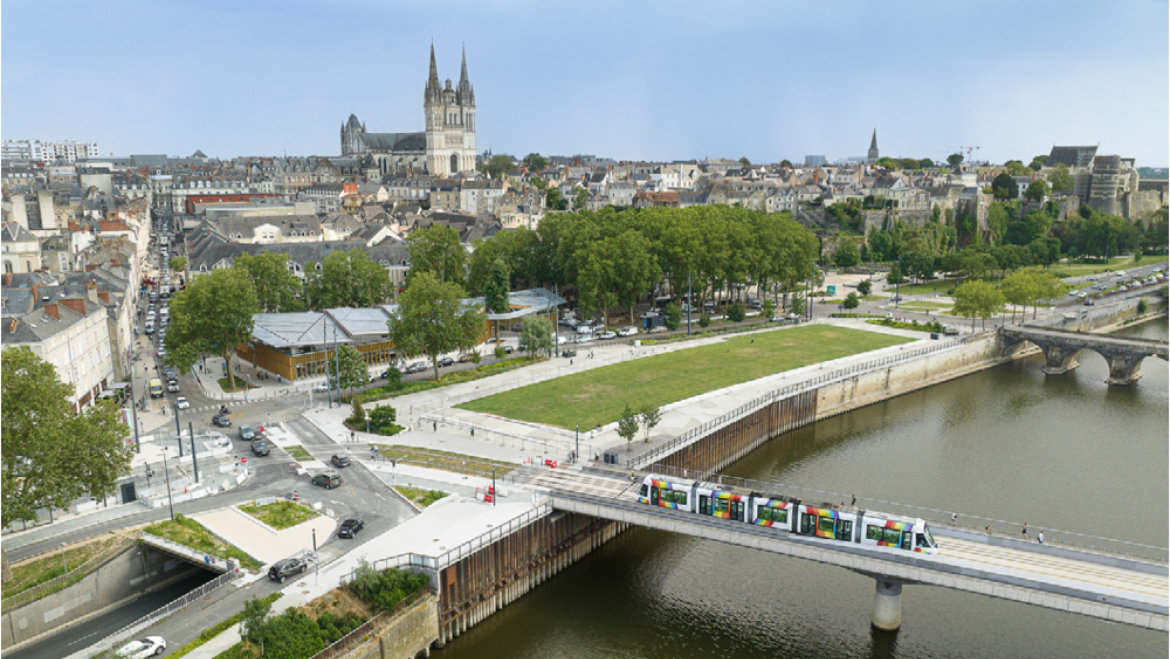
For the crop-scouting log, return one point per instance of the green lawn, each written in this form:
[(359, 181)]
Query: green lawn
[(599, 396), (940, 286), (280, 514), (190, 533), (1122, 263), (920, 305), (51, 564), (422, 498), (444, 460), (300, 454)]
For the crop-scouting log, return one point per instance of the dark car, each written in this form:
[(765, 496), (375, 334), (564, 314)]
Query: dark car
[(445, 362), (417, 367), (569, 353), (286, 568), (260, 448), (508, 350), (246, 433), (350, 527), (222, 421), (386, 375), (340, 460), (327, 479)]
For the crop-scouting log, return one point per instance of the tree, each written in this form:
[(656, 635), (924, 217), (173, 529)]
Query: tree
[(178, 264), (1060, 179), (672, 316), (1015, 168), (895, 274), (535, 335), (1038, 162), (214, 315), (1019, 288), (910, 164), (745, 162), (787, 164), (436, 249), (1037, 191), (736, 313), (554, 200), (347, 279), (851, 302), (705, 320), (650, 418), (580, 198), (431, 319), (628, 426), (348, 369), (382, 418), (954, 160), (53, 455), (977, 299), (358, 413), (847, 254), (277, 289), (252, 625), (496, 289), (926, 163), (918, 264), (496, 167), (864, 287), (886, 163), (535, 162), (768, 308), (1004, 187), (797, 306)]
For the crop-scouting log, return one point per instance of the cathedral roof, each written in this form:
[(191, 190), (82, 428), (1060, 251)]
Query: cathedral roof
[(353, 122), (395, 141)]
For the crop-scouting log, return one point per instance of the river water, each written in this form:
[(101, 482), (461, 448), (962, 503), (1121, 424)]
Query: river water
[(1009, 444)]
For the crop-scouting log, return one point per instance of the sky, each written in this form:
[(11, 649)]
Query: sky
[(644, 80)]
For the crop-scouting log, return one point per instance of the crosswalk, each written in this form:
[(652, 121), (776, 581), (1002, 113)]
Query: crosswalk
[(208, 408)]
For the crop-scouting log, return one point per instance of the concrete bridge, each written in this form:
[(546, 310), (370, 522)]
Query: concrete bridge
[(1109, 586), (1061, 348)]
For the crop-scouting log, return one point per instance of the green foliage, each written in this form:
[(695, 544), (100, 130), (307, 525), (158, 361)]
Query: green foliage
[(851, 301), (279, 515), (672, 316), (436, 249), (797, 304), (628, 425), (431, 319), (382, 418), (497, 287), (926, 163), (358, 415), (535, 335), (886, 163), (191, 533), (977, 299), (393, 376), (745, 162), (913, 325), (768, 307), (348, 369), (1004, 187), (277, 289), (214, 315), (1037, 190), (1060, 179), (178, 264), (651, 416), (895, 275), (847, 254), (1143, 306), (704, 320), (918, 264), (215, 630), (554, 200), (496, 167), (384, 590), (580, 197), (52, 455), (535, 162), (469, 375), (955, 159), (910, 164), (864, 287), (736, 313), (786, 163), (499, 352), (1016, 168), (346, 279)]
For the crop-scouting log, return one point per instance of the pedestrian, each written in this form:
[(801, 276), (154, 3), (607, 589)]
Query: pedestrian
[(1040, 537), (853, 501), (1024, 532), (988, 529), (296, 497), (436, 426), (954, 517), (473, 432), (353, 436)]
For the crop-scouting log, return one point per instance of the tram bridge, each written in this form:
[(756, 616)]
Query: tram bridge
[(1061, 348), (1114, 587)]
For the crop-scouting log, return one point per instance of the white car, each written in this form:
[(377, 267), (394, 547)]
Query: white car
[(182, 403), (151, 646), (584, 329), (607, 335), (628, 331), (584, 338), (321, 388), (649, 314), (562, 340)]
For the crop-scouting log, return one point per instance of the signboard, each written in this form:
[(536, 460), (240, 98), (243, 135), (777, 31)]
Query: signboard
[(832, 289)]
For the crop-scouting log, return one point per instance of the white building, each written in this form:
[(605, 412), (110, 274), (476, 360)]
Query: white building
[(48, 151)]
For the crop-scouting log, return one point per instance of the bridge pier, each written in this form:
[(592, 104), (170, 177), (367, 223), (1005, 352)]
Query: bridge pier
[(1123, 369), (1059, 359), (887, 606)]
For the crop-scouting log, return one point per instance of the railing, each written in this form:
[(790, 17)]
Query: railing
[(520, 441), (59, 582), (126, 632), (654, 454), (345, 644)]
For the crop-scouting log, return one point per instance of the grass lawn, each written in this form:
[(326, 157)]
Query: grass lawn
[(190, 533), (599, 396), (280, 514), (1121, 263), (940, 286), (921, 305), (299, 454), (241, 384), (863, 298), (422, 498), (403, 388), (50, 566), (453, 462)]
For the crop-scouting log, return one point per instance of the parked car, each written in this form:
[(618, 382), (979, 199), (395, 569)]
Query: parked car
[(465, 358), (340, 460), (648, 315), (350, 527), (569, 352), (328, 479), (509, 350), (584, 328), (260, 448), (628, 331), (321, 388), (221, 420), (182, 403), (655, 330), (445, 362), (417, 367), (282, 570), (173, 386), (562, 340), (604, 336), (583, 338), (686, 307), (1089, 302), (246, 433), (151, 646)]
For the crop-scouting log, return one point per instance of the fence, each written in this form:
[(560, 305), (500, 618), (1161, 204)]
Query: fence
[(57, 583), (344, 644), (656, 453), (132, 629)]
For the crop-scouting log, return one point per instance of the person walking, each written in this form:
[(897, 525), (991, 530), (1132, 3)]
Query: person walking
[(853, 500), (1024, 532), (954, 517), (436, 426), (1040, 537)]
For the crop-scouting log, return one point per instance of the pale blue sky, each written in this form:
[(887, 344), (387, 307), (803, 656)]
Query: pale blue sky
[(632, 80)]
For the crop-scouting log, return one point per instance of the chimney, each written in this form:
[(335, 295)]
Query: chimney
[(76, 304), (8, 279), (52, 310), (91, 291), (12, 325)]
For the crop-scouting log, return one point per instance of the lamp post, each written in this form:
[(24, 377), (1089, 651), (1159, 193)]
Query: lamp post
[(167, 473), (63, 563), (577, 454), (898, 285), (179, 431), (316, 563)]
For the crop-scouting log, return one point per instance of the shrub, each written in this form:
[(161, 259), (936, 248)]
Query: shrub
[(673, 316), (1143, 306), (704, 320), (736, 313), (864, 287), (382, 417), (851, 301), (384, 590), (359, 414), (499, 352)]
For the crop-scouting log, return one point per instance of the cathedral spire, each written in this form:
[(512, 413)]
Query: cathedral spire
[(872, 142), (433, 88), (463, 73), (466, 96), (435, 69)]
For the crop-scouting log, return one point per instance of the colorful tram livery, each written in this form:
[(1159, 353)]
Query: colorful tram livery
[(788, 514)]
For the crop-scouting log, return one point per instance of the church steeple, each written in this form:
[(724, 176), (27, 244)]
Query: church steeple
[(433, 88), (872, 142), (872, 155), (466, 95)]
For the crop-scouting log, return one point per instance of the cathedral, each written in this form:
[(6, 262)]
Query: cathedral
[(446, 148)]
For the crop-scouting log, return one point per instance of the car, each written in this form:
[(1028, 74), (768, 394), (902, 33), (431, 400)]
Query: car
[(172, 386), (756, 304), (350, 527), (648, 315), (655, 330), (1089, 302), (417, 367), (151, 646), (246, 433), (321, 388), (182, 403), (628, 331), (583, 338), (221, 420), (509, 350), (686, 307), (149, 329), (260, 448), (562, 340), (794, 316), (463, 359), (584, 328), (286, 568), (568, 353), (162, 353), (340, 460), (607, 335), (327, 479), (445, 362), (709, 305)]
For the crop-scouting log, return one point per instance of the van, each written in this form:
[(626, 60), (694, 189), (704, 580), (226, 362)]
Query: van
[(156, 388)]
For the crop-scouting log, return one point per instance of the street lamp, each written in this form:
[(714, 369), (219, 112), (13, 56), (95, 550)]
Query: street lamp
[(167, 473), (63, 563), (898, 285)]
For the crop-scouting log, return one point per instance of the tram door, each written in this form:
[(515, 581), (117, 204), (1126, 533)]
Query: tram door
[(908, 540), (704, 504), (737, 510), (654, 495)]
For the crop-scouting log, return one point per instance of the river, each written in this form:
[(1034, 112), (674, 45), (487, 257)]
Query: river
[(1009, 443)]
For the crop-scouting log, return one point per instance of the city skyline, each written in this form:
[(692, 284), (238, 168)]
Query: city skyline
[(652, 82)]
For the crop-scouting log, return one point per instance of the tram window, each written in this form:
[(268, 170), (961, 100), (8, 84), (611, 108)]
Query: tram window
[(778, 515), (873, 533), (670, 496), (722, 505), (846, 530), (929, 538), (825, 525), (892, 536), (642, 490), (920, 540), (907, 541)]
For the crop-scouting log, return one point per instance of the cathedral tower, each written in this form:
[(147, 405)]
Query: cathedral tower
[(872, 156), (450, 121)]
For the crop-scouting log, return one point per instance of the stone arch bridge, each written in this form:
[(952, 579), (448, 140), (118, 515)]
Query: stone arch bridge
[(1061, 348)]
